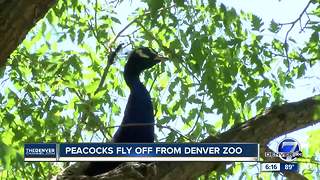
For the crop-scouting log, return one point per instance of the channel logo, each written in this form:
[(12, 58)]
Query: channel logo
[(288, 149), (40, 152)]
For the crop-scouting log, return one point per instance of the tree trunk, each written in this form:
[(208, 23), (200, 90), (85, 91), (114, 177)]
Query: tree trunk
[(17, 17)]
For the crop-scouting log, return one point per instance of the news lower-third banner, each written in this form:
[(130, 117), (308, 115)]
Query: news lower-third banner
[(142, 152)]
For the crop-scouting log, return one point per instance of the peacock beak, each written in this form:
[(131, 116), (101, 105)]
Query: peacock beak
[(161, 58)]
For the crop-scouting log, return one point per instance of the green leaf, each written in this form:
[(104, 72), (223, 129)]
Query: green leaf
[(274, 27), (154, 5), (7, 154), (80, 36), (180, 3), (314, 37), (9, 117), (256, 23), (116, 20), (301, 70), (116, 109)]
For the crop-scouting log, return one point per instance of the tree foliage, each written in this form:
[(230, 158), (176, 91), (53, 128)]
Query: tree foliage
[(223, 70)]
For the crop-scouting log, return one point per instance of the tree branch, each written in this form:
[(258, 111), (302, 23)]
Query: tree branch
[(262, 129), (135, 20), (106, 69), (293, 23), (17, 17)]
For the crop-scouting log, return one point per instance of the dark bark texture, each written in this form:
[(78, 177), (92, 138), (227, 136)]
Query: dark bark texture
[(17, 17)]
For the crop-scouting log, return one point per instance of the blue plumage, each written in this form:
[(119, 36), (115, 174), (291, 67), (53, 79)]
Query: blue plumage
[(138, 121)]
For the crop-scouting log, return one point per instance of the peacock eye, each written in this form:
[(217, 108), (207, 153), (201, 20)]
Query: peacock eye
[(142, 54)]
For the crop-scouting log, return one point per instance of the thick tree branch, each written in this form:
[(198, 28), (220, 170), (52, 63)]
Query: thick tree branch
[(17, 17), (262, 129)]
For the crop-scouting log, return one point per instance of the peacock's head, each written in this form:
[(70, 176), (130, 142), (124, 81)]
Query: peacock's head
[(141, 59)]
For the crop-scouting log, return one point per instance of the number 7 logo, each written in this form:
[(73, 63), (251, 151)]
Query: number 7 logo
[(293, 145)]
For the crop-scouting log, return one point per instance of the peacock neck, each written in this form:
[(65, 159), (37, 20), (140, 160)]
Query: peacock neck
[(138, 110), (133, 82), (139, 105)]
